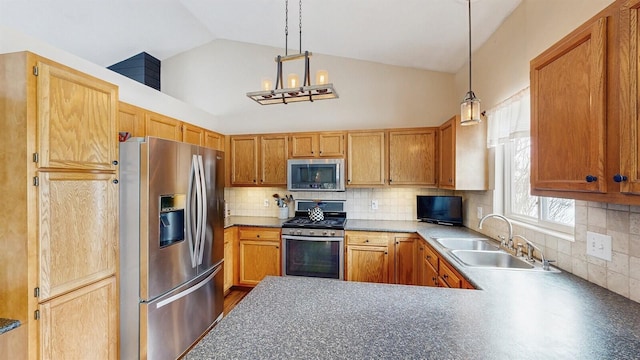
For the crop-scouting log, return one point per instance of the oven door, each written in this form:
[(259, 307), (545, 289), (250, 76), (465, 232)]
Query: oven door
[(313, 256)]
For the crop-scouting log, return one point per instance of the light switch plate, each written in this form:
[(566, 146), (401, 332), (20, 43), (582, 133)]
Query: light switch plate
[(599, 245), (374, 204), (266, 202)]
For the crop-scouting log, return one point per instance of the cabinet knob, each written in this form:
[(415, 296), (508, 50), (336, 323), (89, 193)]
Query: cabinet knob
[(385, 253), (367, 240), (445, 276), (115, 181), (619, 178), (591, 178), (428, 256), (390, 181), (115, 162), (254, 180), (349, 181), (258, 236)]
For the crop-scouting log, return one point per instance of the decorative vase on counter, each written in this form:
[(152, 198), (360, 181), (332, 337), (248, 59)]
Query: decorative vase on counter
[(284, 213)]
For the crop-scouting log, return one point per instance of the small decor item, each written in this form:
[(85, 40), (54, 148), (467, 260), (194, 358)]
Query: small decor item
[(316, 214)]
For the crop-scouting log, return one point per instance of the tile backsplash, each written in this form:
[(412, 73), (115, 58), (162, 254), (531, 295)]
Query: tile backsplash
[(393, 204)]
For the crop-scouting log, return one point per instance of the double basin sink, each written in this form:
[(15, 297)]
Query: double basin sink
[(480, 252)]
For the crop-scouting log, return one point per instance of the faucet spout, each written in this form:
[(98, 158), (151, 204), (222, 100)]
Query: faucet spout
[(510, 239)]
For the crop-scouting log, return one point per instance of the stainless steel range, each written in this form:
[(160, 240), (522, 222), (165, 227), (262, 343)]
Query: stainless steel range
[(314, 248)]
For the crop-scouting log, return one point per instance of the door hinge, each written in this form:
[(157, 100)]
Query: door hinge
[(36, 181), (36, 157), (36, 292), (36, 314), (35, 70)]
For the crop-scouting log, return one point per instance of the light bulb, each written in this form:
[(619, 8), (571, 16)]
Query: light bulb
[(322, 77), (293, 81), (267, 84)]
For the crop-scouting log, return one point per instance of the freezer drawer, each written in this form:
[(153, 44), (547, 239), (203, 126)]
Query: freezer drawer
[(175, 321)]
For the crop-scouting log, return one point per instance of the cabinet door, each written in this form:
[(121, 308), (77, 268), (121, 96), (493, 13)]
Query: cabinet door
[(449, 276), (447, 135), (228, 259), (257, 260), (367, 263), (274, 151), (78, 239), (366, 159), (630, 91), (331, 144), (131, 119), (412, 157), (213, 140), (244, 160), (163, 127), (429, 274), (82, 324), (304, 145), (76, 120), (406, 260), (568, 113), (192, 134)]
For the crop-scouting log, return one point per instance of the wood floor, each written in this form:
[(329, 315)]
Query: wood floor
[(232, 299)]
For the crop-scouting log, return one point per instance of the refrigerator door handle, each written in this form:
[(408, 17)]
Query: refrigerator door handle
[(191, 203), (188, 291), (203, 207)]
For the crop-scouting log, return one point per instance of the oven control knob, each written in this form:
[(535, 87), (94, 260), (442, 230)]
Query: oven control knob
[(311, 232), (325, 233), (333, 233), (299, 232)]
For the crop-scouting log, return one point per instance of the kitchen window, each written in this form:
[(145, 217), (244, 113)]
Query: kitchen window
[(509, 136)]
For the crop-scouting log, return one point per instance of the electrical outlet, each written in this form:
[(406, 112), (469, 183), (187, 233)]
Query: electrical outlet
[(479, 212), (266, 202), (599, 245), (374, 204)]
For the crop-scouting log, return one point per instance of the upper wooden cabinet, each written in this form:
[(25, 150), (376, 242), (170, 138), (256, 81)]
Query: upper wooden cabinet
[(131, 119), (310, 145), (213, 140), (76, 120), (366, 154), (244, 160), (161, 126), (273, 159), (253, 165), (568, 96), (412, 157), (193, 135), (584, 111), (463, 156)]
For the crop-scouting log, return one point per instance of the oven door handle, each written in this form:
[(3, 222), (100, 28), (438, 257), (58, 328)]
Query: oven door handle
[(311, 238)]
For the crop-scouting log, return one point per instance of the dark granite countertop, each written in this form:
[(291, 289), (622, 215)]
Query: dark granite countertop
[(257, 221), (516, 315), (8, 324)]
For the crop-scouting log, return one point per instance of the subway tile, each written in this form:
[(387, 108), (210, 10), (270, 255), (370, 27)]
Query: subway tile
[(580, 268), (597, 274), (634, 245), (564, 247), (634, 290), (617, 220), (619, 242), (597, 217), (619, 263), (634, 223), (564, 262), (581, 215), (618, 283), (634, 267)]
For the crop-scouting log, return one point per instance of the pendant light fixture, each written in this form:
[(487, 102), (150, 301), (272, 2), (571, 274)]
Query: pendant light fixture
[(292, 90), (470, 106)]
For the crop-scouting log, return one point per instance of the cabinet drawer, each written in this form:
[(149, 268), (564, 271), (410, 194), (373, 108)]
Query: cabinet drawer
[(260, 234), (431, 256), (366, 238), (449, 276)]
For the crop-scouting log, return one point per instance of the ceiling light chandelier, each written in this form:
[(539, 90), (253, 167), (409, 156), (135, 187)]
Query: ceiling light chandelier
[(294, 92), (470, 106)]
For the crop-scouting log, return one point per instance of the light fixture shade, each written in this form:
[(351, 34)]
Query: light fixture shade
[(322, 77), (470, 110)]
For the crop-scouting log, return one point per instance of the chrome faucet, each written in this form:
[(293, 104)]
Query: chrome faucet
[(530, 247), (509, 242)]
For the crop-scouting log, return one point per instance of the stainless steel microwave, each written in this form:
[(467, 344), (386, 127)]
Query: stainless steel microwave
[(315, 175)]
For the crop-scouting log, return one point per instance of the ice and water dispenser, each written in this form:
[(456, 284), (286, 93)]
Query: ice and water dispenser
[(171, 219)]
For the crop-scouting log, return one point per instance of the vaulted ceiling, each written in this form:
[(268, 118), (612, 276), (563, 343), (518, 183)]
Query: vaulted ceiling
[(423, 34)]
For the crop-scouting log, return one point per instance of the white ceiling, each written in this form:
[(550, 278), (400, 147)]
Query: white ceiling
[(424, 34)]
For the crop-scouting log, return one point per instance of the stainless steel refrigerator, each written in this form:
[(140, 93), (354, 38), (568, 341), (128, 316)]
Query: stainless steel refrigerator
[(171, 246)]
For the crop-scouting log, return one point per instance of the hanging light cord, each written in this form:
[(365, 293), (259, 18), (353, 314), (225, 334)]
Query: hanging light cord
[(469, 1), (286, 26), (300, 24)]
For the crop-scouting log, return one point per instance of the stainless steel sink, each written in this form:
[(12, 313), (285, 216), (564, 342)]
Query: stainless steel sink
[(493, 259), (467, 244)]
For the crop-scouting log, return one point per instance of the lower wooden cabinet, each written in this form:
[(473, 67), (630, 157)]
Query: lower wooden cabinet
[(436, 271), (229, 241), (258, 254), (367, 256), (406, 259), (82, 324)]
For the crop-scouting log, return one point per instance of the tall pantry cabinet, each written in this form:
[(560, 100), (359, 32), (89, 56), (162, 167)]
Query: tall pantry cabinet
[(58, 233)]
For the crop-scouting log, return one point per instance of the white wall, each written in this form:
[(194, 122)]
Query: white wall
[(217, 76), (129, 90)]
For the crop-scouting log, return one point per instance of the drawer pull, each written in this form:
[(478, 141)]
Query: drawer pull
[(619, 178), (591, 178)]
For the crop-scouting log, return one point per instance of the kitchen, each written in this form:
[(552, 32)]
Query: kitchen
[(495, 78)]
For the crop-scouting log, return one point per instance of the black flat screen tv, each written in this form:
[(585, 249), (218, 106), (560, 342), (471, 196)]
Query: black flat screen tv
[(443, 210)]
